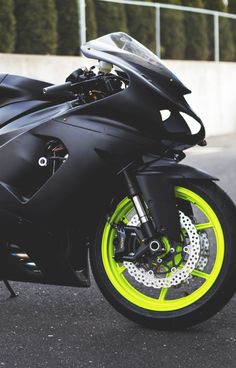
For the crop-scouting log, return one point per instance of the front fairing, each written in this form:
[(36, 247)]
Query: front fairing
[(138, 62), (148, 76)]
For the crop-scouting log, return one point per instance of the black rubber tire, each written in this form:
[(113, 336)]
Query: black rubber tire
[(215, 299)]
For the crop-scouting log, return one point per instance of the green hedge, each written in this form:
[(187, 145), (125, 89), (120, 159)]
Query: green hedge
[(91, 21), (227, 45), (7, 26), (196, 30), (232, 9), (173, 37), (67, 27), (141, 24), (36, 31), (52, 26), (110, 18)]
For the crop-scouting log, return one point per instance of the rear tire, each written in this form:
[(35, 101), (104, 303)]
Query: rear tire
[(217, 289)]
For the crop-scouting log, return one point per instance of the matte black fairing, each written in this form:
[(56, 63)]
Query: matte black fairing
[(21, 95), (47, 206), (151, 85), (52, 210)]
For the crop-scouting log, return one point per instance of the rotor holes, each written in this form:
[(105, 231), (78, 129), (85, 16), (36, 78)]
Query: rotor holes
[(150, 279)]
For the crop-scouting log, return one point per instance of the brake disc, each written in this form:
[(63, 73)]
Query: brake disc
[(177, 276), (205, 251)]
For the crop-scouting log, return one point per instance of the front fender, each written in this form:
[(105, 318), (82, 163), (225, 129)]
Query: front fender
[(175, 171), (156, 183)]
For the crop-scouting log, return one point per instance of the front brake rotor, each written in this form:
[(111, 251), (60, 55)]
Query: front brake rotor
[(177, 275)]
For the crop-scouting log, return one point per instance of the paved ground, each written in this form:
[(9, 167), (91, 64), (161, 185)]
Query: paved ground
[(68, 327)]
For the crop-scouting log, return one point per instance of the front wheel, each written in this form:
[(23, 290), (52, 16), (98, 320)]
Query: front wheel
[(179, 289)]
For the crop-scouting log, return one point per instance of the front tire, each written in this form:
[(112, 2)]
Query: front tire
[(198, 297)]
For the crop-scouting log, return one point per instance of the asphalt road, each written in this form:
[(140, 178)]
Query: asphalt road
[(67, 327)]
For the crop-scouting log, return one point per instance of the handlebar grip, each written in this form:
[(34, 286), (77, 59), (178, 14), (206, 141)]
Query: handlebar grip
[(53, 90)]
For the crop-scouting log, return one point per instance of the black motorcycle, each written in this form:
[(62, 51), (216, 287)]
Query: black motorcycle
[(91, 166)]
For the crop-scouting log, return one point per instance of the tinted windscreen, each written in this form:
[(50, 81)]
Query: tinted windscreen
[(127, 43), (122, 48)]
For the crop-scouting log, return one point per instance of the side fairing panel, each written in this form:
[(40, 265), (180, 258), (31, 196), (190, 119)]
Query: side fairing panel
[(21, 95), (41, 208), (96, 151), (15, 110)]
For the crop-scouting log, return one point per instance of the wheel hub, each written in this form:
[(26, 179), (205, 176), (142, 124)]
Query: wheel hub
[(176, 275)]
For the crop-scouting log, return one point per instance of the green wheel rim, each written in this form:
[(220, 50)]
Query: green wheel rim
[(115, 272)]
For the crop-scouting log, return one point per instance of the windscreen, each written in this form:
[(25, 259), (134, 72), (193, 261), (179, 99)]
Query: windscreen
[(125, 43), (126, 46), (133, 55)]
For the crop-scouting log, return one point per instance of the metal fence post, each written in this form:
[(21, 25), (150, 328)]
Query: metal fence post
[(158, 31), (216, 37), (82, 21)]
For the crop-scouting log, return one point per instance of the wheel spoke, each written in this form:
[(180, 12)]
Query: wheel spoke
[(201, 274), (125, 220), (163, 294), (207, 225), (121, 269)]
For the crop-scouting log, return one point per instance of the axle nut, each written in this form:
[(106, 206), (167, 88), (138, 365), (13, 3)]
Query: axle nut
[(154, 246)]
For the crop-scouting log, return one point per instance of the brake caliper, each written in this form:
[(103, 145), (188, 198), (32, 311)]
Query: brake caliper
[(175, 275)]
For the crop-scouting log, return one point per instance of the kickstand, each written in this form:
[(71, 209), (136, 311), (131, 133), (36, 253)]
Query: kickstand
[(9, 288)]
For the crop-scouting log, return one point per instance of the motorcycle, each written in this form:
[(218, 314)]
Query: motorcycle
[(91, 169)]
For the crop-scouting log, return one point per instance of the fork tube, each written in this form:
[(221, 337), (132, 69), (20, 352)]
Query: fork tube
[(140, 209), (146, 223)]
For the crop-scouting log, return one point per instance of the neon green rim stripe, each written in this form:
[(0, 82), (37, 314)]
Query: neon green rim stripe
[(115, 272)]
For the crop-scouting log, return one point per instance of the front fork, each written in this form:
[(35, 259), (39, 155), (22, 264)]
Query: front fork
[(155, 189), (149, 235)]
